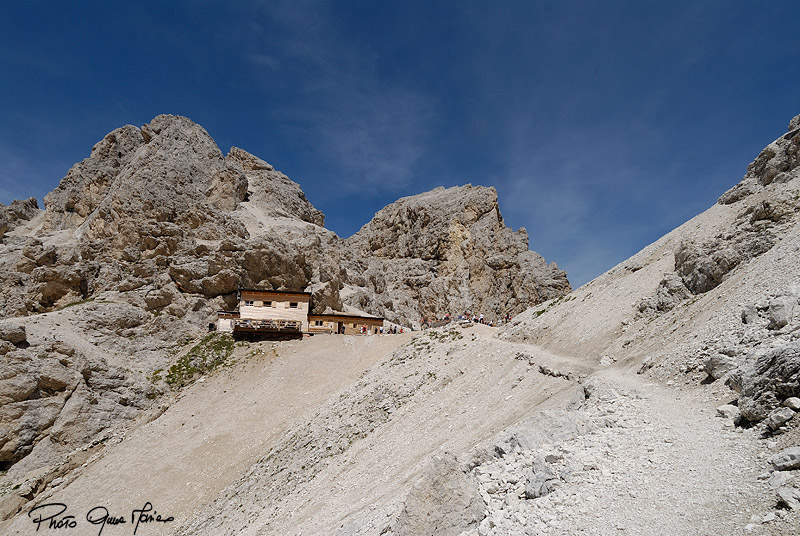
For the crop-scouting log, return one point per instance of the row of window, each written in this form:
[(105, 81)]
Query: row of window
[(252, 303), (322, 323)]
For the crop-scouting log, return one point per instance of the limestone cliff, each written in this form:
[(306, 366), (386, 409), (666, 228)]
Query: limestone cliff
[(449, 251)]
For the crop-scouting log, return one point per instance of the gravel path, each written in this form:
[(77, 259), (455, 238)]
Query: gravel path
[(659, 462)]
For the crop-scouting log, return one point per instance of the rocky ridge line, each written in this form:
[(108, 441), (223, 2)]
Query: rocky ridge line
[(143, 241)]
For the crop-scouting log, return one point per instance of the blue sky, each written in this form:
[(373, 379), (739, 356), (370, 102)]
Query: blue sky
[(603, 125)]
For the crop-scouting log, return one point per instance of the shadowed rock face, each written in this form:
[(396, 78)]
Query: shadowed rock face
[(154, 232)]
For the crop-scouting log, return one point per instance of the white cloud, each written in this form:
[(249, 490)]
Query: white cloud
[(585, 195)]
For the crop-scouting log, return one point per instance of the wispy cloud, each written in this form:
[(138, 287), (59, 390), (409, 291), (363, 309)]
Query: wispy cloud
[(370, 131), (585, 194), (22, 176), (263, 60)]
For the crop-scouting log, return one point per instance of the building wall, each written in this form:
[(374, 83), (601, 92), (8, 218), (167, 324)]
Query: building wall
[(274, 308), (326, 327), (352, 326)]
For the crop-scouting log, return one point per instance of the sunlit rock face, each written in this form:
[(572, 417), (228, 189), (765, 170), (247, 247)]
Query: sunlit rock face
[(449, 251)]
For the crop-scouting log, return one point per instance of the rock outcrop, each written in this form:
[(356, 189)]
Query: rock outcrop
[(443, 501), (449, 251), (272, 191), (17, 213), (55, 397), (766, 378), (777, 163)]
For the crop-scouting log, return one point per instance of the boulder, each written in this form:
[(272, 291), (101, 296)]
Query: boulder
[(670, 292), (780, 311), (728, 411), (750, 314), (792, 402), (13, 333), (766, 377), (540, 480), (786, 460), (789, 496), (779, 417), (443, 501), (719, 365)]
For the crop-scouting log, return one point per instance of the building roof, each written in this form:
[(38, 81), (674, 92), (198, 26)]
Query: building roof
[(334, 316), (273, 292)]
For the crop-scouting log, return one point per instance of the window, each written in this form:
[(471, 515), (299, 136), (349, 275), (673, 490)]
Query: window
[(293, 305), (248, 302), (317, 322), (355, 325)]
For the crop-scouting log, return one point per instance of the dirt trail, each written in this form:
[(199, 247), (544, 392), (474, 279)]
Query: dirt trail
[(671, 465), (664, 464)]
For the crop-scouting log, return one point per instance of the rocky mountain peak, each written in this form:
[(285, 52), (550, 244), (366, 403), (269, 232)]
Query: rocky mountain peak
[(168, 170), (272, 192), (449, 251), (425, 225), (248, 161)]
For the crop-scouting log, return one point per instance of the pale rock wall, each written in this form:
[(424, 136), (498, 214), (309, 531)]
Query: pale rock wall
[(449, 251)]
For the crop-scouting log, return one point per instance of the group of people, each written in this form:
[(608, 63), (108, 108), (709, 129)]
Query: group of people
[(475, 318)]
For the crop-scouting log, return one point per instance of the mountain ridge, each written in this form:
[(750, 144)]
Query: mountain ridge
[(146, 239)]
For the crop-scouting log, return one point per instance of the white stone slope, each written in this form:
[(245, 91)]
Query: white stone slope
[(440, 437), (349, 468), (707, 300), (210, 433)]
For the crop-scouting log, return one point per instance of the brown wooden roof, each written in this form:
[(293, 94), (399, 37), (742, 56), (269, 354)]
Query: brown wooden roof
[(274, 292), (344, 317)]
